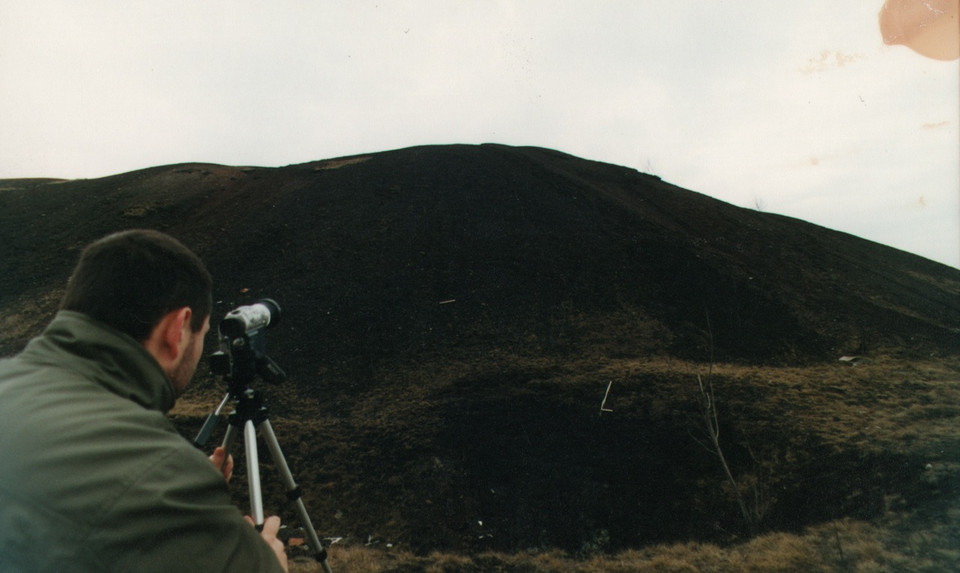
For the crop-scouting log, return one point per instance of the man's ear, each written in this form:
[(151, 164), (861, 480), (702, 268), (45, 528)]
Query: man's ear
[(169, 337)]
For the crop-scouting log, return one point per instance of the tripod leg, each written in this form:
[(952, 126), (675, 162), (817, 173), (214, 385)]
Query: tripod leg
[(210, 424), (253, 472), (228, 440), (293, 493)]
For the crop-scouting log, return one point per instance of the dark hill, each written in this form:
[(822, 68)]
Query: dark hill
[(442, 306), (534, 246)]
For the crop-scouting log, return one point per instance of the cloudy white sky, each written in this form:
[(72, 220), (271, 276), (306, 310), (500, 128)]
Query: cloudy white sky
[(793, 108)]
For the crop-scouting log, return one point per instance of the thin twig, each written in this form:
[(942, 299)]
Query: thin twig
[(603, 404)]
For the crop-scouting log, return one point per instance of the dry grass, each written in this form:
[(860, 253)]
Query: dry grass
[(338, 163), (839, 546), (878, 405), (25, 318), (882, 404)]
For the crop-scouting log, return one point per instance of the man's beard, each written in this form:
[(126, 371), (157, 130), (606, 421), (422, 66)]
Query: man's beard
[(185, 369)]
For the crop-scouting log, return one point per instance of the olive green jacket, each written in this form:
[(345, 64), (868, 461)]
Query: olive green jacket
[(94, 477)]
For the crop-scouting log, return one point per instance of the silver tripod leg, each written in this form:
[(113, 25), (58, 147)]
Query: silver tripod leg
[(253, 466), (253, 472), (293, 491)]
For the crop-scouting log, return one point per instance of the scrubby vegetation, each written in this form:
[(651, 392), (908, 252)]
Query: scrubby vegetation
[(877, 441), (839, 546)]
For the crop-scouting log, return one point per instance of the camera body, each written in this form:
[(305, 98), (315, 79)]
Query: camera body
[(242, 355), (250, 319)]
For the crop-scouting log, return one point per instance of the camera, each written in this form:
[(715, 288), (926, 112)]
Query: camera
[(242, 355), (247, 320)]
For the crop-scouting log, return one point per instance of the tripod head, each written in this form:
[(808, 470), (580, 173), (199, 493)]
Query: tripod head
[(242, 355)]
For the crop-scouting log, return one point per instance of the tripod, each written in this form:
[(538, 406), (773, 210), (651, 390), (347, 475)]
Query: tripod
[(250, 414)]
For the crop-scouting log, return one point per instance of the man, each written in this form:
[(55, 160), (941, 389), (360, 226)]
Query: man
[(93, 476)]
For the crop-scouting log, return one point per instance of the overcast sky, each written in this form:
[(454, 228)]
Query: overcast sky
[(793, 108)]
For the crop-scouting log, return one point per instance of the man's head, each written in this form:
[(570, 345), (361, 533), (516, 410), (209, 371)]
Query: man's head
[(151, 287)]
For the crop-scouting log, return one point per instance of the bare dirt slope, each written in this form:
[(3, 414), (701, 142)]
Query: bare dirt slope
[(452, 316)]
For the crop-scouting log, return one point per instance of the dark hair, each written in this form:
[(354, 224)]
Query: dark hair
[(130, 280)]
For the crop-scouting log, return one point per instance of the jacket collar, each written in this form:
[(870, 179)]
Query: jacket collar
[(111, 358)]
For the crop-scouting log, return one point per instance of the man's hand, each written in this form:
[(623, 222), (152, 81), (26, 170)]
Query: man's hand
[(269, 533), (224, 466)]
